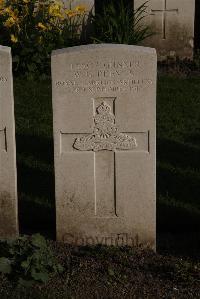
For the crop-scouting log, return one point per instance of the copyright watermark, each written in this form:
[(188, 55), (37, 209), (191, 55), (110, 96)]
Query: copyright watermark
[(122, 239)]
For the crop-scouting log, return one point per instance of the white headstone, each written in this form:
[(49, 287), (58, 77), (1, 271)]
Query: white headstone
[(173, 25), (104, 99), (8, 177), (89, 12), (88, 4)]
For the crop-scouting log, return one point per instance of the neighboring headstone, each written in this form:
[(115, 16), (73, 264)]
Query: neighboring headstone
[(173, 25), (99, 4), (87, 28), (88, 4), (8, 180), (104, 99)]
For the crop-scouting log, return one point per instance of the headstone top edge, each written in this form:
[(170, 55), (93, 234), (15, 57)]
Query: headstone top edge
[(103, 46), (5, 49)]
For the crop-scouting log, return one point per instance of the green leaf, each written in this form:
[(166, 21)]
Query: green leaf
[(111, 272), (16, 58), (32, 260), (5, 265), (31, 67), (11, 251), (40, 276), (26, 283), (38, 241), (25, 264), (60, 268)]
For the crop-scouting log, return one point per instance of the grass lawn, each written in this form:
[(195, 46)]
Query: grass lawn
[(108, 272)]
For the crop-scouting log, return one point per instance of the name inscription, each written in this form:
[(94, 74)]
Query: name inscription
[(110, 76)]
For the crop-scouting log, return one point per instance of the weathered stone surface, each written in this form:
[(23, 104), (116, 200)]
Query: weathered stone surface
[(88, 4), (104, 99), (8, 180), (173, 23)]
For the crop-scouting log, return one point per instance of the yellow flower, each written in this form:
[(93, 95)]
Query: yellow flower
[(70, 13), (40, 39), (55, 10), (8, 10), (9, 22), (2, 3), (80, 9), (2, 7), (26, 1), (41, 26), (13, 38)]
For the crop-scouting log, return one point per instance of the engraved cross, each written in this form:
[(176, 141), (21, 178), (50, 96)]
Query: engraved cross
[(164, 12), (106, 141)]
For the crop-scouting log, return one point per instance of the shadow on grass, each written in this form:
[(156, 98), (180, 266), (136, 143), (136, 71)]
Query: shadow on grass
[(178, 183), (36, 184), (184, 155), (178, 192), (40, 147), (195, 139), (179, 244)]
